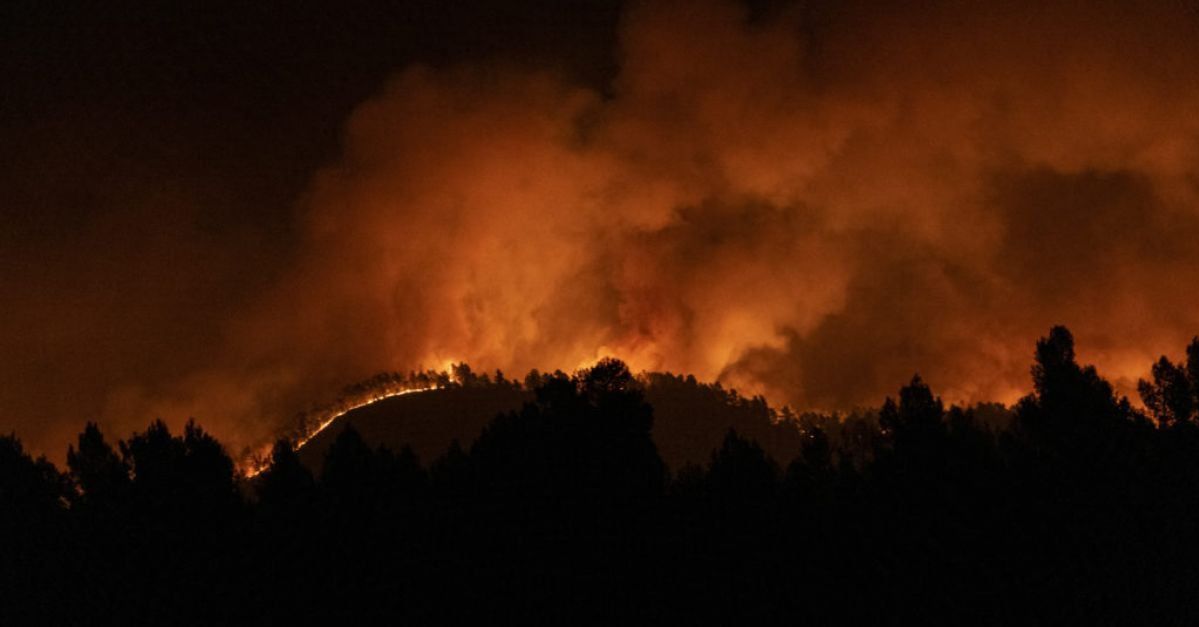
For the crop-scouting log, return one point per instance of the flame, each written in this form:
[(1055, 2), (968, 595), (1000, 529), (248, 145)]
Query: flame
[(325, 422), (260, 461)]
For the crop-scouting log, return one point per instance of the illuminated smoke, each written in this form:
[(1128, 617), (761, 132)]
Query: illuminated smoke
[(812, 205)]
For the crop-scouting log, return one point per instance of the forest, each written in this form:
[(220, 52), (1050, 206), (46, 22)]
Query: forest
[(1073, 505)]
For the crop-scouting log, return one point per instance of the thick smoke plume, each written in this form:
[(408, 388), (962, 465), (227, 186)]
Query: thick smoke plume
[(809, 202)]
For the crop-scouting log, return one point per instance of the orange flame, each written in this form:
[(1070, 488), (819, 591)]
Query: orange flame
[(260, 461)]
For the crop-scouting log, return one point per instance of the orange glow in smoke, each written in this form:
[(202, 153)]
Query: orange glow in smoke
[(764, 202)]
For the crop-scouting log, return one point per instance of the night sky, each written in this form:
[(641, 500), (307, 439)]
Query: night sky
[(231, 211)]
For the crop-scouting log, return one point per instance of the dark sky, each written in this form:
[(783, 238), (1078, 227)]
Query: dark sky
[(244, 98), (230, 211)]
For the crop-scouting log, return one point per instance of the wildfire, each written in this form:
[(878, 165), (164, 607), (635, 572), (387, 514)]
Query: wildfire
[(260, 461)]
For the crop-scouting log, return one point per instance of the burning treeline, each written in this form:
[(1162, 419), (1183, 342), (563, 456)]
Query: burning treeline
[(808, 202), (1080, 509)]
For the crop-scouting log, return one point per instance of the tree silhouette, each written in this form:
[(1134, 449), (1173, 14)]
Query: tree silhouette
[(740, 470), (286, 484), (155, 459), (1071, 508), (917, 421), (30, 489), (1066, 390), (1193, 367), (1173, 394), (1072, 409), (811, 473), (100, 474), (350, 474), (33, 496), (177, 476), (406, 481), (450, 474), (209, 471), (585, 437)]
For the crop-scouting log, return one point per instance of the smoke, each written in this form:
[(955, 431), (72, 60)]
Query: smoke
[(810, 202)]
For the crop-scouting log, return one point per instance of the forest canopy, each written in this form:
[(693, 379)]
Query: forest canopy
[(1074, 504)]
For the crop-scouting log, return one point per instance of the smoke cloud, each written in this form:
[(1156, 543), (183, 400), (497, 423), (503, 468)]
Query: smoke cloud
[(810, 202)]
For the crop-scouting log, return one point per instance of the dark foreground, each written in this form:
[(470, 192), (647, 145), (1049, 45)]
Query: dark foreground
[(1083, 509)]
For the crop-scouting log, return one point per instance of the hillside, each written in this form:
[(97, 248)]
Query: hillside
[(690, 420), (428, 422)]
